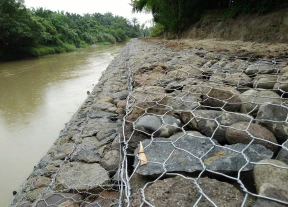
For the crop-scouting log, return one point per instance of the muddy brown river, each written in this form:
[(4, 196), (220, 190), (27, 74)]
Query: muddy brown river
[(37, 97)]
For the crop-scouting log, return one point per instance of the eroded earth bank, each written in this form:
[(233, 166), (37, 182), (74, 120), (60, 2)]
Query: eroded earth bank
[(212, 121)]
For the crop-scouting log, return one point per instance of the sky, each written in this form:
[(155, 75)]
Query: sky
[(116, 7)]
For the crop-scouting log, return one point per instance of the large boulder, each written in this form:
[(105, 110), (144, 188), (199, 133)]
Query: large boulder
[(82, 177), (182, 152)]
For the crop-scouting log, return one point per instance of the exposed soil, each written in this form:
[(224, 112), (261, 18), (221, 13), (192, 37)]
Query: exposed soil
[(231, 47)]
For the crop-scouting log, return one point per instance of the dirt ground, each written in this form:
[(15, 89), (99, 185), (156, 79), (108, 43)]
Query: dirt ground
[(237, 48)]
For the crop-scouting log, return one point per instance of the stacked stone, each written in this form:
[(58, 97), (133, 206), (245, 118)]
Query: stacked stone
[(214, 129), (80, 167)]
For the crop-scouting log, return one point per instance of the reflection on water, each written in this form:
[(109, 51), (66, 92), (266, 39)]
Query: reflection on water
[(37, 97)]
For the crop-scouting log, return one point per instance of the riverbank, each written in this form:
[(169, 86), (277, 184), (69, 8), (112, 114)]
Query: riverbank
[(232, 110)]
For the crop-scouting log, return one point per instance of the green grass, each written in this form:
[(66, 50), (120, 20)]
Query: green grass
[(103, 43), (41, 50)]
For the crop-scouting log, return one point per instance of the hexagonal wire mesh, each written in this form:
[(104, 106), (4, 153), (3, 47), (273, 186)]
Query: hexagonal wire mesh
[(213, 130)]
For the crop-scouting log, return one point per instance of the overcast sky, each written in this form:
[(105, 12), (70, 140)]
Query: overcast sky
[(116, 7)]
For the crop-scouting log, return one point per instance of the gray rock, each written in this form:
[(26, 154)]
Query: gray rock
[(238, 79), (62, 151), (259, 69), (55, 199), (265, 81), (206, 122), (86, 153), (272, 193), (120, 95), (111, 161), (24, 204), (241, 131), (282, 83), (102, 105), (178, 191), (99, 129), (151, 124), (184, 102), (222, 97), (82, 177), (274, 118), (251, 100), (106, 199), (219, 159), (42, 182), (33, 195), (271, 179), (283, 154), (101, 114)]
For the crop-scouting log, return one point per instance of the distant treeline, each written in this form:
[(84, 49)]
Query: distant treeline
[(25, 32), (177, 15)]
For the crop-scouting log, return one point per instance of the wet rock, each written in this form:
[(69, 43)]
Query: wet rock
[(111, 161), (106, 199), (265, 81), (206, 122), (283, 154), (251, 100), (86, 153), (82, 177), (271, 179), (223, 97), (162, 126), (179, 191), (274, 118), (56, 199), (219, 159), (238, 133), (259, 69), (238, 79)]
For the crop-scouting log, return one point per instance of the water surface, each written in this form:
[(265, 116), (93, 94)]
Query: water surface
[(37, 97)]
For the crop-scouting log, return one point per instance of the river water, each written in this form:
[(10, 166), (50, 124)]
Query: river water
[(37, 97)]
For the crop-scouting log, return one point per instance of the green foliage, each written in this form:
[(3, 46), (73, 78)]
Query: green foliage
[(178, 15), (157, 30), (36, 32)]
